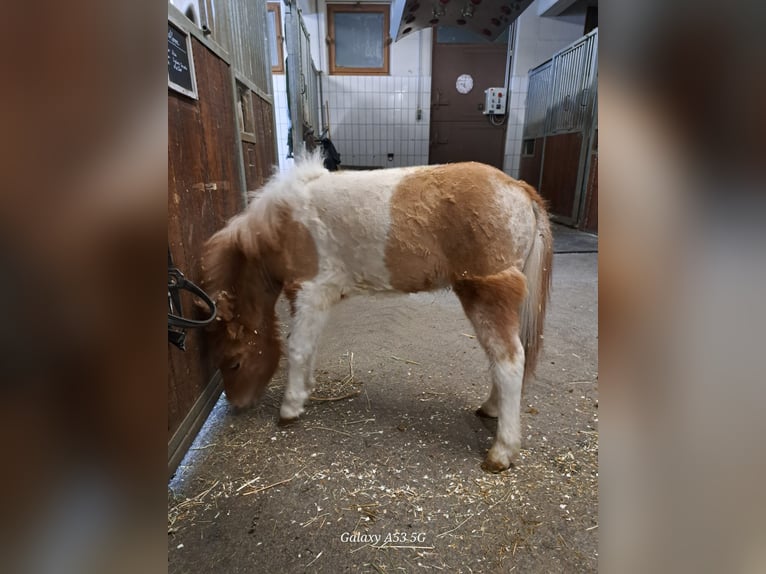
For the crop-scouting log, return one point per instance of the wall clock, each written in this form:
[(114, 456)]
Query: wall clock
[(464, 83)]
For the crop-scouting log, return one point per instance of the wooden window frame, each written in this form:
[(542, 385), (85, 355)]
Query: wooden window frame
[(277, 9), (384, 9)]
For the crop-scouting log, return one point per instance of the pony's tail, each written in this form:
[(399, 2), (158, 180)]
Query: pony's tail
[(537, 270)]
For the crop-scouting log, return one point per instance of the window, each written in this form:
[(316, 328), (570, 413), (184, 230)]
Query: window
[(528, 147), (275, 38), (245, 113), (358, 38)]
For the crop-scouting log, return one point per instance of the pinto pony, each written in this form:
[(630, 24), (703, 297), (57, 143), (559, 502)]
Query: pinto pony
[(319, 236)]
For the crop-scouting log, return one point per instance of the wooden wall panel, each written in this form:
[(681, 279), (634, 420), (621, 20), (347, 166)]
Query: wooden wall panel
[(203, 193), (560, 168), (260, 158), (529, 165), (590, 221), (252, 172)]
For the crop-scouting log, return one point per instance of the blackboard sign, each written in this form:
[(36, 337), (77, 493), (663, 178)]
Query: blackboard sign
[(180, 62)]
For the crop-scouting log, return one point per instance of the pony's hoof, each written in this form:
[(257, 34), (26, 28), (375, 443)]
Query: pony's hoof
[(493, 466), (283, 421), (480, 412)]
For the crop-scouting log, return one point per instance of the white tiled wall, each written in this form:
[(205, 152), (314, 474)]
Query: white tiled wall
[(373, 116), (369, 116), (513, 134), (281, 119)]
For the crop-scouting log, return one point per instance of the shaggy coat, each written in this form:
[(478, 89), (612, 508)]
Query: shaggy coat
[(319, 236)]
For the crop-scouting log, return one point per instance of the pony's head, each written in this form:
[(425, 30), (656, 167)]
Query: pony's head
[(244, 335)]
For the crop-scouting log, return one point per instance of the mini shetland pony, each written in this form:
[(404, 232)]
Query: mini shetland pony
[(319, 236)]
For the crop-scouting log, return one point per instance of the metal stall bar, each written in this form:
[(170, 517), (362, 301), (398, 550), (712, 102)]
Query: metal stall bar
[(302, 84)]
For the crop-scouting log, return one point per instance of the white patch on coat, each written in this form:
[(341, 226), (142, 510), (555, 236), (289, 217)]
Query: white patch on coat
[(348, 214), (515, 202), (312, 309), (507, 377)]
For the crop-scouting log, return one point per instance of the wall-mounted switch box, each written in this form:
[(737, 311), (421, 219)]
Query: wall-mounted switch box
[(494, 101)]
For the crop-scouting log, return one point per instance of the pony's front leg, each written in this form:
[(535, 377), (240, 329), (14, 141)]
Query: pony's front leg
[(312, 309)]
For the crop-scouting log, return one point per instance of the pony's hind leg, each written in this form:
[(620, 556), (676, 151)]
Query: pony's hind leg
[(312, 308), (492, 305)]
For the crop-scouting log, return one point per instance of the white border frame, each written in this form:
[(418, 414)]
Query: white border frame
[(180, 89)]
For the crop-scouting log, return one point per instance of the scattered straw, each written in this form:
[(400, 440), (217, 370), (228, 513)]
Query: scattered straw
[(329, 429), (406, 361), (261, 489), (453, 530), (348, 396), (359, 421), (248, 483), (338, 387), (197, 499), (315, 559)]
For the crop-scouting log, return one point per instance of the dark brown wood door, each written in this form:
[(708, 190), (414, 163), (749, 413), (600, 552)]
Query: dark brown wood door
[(561, 167), (459, 129), (204, 190), (531, 161)]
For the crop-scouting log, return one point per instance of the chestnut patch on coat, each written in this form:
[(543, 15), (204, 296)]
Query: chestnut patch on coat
[(247, 265), (448, 223), (293, 257), (493, 304)]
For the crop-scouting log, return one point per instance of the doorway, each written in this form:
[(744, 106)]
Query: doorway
[(464, 65)]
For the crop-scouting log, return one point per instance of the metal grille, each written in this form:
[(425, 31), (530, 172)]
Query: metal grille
[(573, 83), (303, 81), (241, 28), (538, 93)]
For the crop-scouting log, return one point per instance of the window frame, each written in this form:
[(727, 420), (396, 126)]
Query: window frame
[(384, 9), (277, 9)]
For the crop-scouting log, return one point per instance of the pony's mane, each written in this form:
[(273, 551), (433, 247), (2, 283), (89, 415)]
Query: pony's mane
[(284, 190), (248, 234)]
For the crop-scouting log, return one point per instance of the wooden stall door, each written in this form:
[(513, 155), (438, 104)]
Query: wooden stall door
[(531, 161), (459, 130), (559, 184), (204, 191), (258, 151), (590, 219)]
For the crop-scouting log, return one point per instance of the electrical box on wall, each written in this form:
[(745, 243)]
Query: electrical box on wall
[(494, 101)]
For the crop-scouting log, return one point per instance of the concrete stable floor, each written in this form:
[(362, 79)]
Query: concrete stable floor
[(383, 474)]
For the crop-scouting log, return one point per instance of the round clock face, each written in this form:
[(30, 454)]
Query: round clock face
[(464, 83)]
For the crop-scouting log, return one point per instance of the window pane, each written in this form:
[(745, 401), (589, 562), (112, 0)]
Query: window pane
[(273, 39), (359, 40)]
